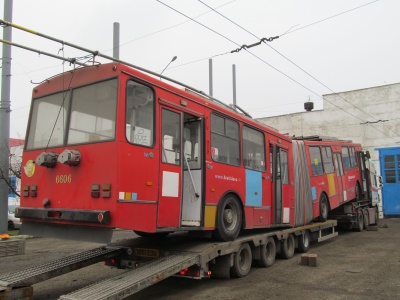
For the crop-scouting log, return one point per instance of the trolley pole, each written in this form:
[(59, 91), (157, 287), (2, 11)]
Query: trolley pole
[(5, 105)]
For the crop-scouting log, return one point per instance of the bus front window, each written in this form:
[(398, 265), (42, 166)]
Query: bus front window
[(48, 121), (89, 111), (93, 113)]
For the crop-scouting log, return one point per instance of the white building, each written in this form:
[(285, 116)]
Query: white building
[(369, 116)]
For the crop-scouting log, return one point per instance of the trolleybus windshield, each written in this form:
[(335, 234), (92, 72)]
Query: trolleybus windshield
[(80, 115)]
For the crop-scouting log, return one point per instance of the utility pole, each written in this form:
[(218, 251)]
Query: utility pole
[(116, 41), (234, 85), (5, 109), (210, 76)]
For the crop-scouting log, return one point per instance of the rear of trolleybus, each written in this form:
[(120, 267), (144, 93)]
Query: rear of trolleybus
[(70, 160)]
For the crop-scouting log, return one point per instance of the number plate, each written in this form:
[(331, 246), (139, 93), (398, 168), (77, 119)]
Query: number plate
[(153, 253)]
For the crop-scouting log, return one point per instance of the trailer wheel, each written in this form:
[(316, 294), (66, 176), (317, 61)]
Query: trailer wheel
[(242, 261), (323, 208), (268, 254), (151, 234), (360, 220), (288, 246), (303, 242), (366, 219), (376, 215), (229, 219)]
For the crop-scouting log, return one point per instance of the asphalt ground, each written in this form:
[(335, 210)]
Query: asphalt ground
[(353, 265)]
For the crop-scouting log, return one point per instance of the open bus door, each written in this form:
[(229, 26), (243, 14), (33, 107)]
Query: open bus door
[(181, 175), (279, 163)]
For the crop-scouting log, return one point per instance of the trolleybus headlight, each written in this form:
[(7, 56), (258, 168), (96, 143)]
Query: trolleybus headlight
[(47, 159), (70, 157)]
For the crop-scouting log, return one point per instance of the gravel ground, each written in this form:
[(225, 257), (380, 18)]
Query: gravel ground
[(354, 265)]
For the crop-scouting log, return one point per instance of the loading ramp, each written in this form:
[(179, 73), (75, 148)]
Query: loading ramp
[(57, 267), (132, 281)]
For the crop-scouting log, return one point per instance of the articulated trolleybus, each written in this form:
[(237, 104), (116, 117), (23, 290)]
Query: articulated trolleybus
[(108, 147)]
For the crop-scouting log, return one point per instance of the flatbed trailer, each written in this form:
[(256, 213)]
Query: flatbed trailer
[(150, 260)]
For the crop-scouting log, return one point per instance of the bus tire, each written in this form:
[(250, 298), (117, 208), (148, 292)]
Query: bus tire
[(151, 234), (323, 208), (267, 254), (242, 261), (360, 220), (303, 242), (229, 219), (288, 247)]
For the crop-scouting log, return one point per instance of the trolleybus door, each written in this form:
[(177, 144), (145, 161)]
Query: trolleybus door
[(337, 158), (169, 205), (279, 177), (192, 170)]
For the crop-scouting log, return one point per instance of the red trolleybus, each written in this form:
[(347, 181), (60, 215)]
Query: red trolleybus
[(108, 146), (338, 177)]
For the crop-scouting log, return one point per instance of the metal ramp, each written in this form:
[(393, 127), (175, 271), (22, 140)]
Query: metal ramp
[(130, 282), (58, 267)]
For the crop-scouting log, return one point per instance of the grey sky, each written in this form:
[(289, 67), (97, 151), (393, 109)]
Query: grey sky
[(353, 50)]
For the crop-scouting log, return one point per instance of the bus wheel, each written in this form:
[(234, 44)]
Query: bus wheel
[(360, 221), (323, 208), (268, 254), (151, 234), (242, 261), (303, 242), (288, 246), (229, 219), (366, 219)]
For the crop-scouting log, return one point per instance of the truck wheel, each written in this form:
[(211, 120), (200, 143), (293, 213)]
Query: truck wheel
[(268, 254), (323, 208), (229, 219), (366, 219), (303, 242), (242, 261), (360, 221), (288, 246)]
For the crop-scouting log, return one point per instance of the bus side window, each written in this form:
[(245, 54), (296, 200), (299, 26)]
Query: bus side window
[(139, 118), (327, 158), (315, 161), (253, 149), (225, 140), (346, 158)]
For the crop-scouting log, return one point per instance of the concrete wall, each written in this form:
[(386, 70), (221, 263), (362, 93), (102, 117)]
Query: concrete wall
[(368, 116)]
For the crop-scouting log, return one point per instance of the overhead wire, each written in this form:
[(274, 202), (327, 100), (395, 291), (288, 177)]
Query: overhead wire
[(261, 40)]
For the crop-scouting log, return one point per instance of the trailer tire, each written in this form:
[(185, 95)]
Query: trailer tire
[(360, 220), (151, 234), (241, 261), (323, 208), (267, 254), (229, 219), (366, 218), (376, 215), (288, 247), (303, 242)]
